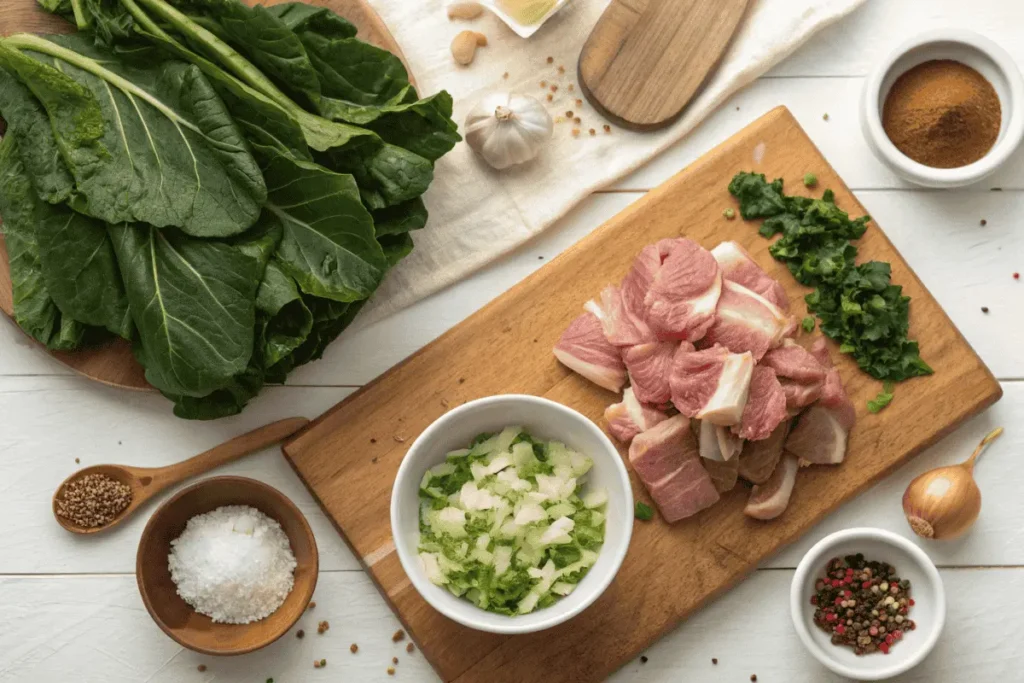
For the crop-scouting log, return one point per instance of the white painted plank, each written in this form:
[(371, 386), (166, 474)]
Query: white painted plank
[(37, 456), (839, 138), (98, 628), (49, 421), (854, 45)]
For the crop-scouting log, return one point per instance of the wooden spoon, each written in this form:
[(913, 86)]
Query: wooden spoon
[(146, 482)]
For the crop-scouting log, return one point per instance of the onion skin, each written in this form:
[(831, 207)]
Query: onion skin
[(944, 503)]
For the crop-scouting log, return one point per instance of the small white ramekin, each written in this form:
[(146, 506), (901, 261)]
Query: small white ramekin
[(928, 613), (547, 420), (966, 47)]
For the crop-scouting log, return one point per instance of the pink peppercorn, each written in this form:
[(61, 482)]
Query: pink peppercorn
[(873, 631)]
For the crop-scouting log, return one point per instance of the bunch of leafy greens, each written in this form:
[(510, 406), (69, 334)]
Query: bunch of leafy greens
[(223, 186), (858, 305)]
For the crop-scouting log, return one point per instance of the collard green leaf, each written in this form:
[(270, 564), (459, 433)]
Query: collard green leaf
[(300, 15), (329, 245), (149, 143), (224, 402), (396, 247), (287, 321), (387, 175), (405, 217), (27, 121), (193, 302)]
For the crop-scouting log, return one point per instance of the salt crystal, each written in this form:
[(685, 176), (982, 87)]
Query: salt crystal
[(235, 564)]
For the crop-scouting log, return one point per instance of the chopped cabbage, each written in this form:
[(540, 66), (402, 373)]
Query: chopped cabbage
[(504, 523)]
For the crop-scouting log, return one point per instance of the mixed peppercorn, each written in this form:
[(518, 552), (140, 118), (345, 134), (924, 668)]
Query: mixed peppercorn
[(862, 604)]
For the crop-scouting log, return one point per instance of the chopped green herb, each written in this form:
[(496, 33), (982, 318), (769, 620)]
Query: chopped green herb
[(808, 324), (857, 305), (883, 399), (810, 180), (729, 213), (643, 512)]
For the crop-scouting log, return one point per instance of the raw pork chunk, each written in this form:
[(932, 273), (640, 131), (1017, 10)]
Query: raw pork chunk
[(682, 298), (739, 267), (821, 433), (630, 417), (801, 374), (759, 458), (621, 327), (711, 384), (584, 349), (766, 406), (723, 474), (649, 366), (769, 500), (718, 443), (746, 321), (666, 461)]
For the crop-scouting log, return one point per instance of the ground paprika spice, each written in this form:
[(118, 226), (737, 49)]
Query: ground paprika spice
[(943, 114)]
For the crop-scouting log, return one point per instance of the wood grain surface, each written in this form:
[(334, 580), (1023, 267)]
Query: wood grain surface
[(646, 59), (349, 456), (112, 363)]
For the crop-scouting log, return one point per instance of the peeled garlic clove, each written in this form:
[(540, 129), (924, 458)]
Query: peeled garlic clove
[(507, 129), (465, 10)]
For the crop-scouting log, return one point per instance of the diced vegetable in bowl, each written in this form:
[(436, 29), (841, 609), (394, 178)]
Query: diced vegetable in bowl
[(509, 522)]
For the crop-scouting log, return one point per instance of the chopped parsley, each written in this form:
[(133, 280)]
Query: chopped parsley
[(643, 512), (808, 324), (857, 305), (810, 180), (883, 399)]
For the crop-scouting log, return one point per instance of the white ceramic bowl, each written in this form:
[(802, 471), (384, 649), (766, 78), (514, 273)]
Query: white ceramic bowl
[(929, 611), (544, 419), (966, 47)]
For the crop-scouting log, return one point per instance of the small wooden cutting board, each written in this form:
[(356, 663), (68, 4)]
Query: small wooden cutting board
[(348, 457), (646, 59)]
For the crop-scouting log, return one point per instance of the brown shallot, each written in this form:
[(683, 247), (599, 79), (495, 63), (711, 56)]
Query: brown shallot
[(944, 502)]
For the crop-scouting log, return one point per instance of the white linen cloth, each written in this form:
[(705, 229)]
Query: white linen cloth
[(478, 214)]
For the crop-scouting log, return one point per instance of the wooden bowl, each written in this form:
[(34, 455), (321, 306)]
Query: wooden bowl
[(173, 615)]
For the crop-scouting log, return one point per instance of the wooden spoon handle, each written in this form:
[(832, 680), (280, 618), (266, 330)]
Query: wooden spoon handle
[(228, 451)]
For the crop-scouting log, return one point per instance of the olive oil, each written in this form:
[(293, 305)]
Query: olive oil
[(527, 12)]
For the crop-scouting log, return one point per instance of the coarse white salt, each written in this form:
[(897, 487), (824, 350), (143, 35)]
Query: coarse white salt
[(235, 564)]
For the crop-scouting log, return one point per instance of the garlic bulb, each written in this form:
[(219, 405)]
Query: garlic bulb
[(943, 503), (507, 129)]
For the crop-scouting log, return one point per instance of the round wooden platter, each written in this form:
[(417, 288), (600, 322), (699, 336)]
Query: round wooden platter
[(113, 363)]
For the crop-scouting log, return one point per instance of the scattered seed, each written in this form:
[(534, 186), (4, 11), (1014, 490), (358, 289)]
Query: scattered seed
[(372, 440), (505, 75), (561, 69), (753, 677), (322, 627), (399, 439), (77, 461), (737, 108), (607, 128), (575, 132), (551, 60), (550, 97), (391, 671), (409, 648), (311, 605), (201, 668), (462, 380), (593, 132), (394, 660), (1016, 276), (300, 634), (714, 660), (543, 84), (571, 87), (554, 88), (577, 120), (824, 117), (643, 659), (579, 103), (397, 636), (444, 403), (316, 663), (373, 460), (984, 309), (984, 222), (569, 114)]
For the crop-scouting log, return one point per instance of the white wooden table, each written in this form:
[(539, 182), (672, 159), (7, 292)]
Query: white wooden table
[(70, 610)]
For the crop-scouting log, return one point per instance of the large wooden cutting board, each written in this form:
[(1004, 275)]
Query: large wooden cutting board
[(112, 362), (349, 457)]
